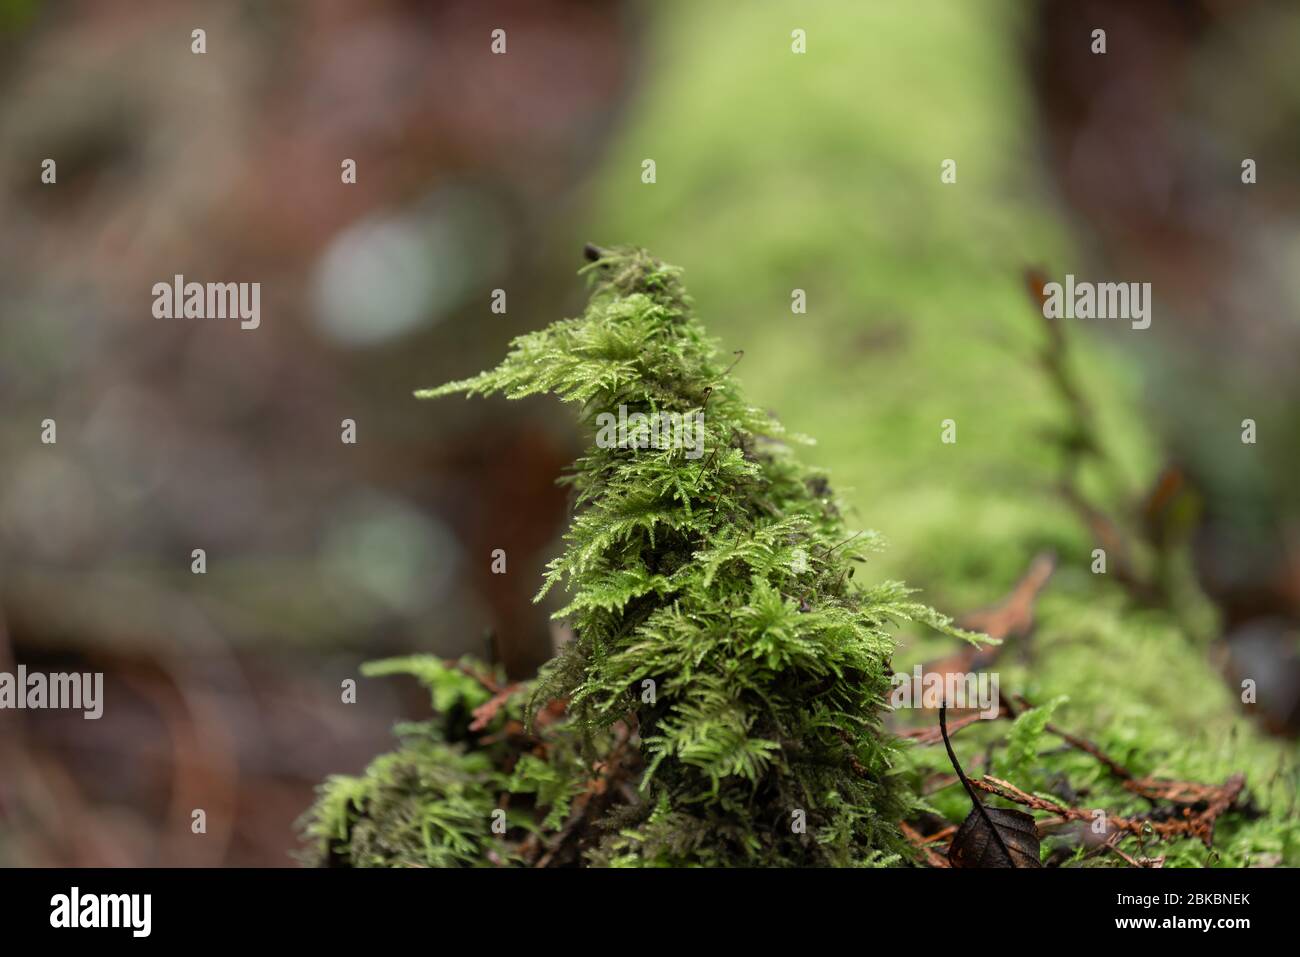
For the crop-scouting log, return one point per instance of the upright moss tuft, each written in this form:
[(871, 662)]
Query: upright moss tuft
[(726, 681)]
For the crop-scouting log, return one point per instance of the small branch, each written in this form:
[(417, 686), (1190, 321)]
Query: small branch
[(922, 844), (1191, 825)]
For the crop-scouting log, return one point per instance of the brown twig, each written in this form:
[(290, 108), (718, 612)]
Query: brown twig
[(922, 844), (931, 734), (485, 712), (1013, 617), (1199, 824)]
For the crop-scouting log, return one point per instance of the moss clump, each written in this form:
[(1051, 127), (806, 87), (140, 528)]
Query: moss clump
[(727, 677)]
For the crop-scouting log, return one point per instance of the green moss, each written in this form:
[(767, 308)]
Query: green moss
[(722, 653), (724, 690), (428, 804), (425, 805), (813, 172)]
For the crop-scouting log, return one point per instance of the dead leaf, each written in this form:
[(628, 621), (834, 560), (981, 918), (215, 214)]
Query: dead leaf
[(995, 837), (990, 836)]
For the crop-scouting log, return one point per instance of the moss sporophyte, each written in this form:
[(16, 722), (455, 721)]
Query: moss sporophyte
[(721, 700)]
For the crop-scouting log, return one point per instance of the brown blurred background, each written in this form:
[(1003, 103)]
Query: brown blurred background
[(224, 688)]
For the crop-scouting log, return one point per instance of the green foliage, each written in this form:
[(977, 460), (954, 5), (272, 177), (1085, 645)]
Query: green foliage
[(917, 312), (1023, 741), (718, 631), (727, 673), (722, 583), (1125, 680), (449, 687), (430, 803), (427, 804)]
